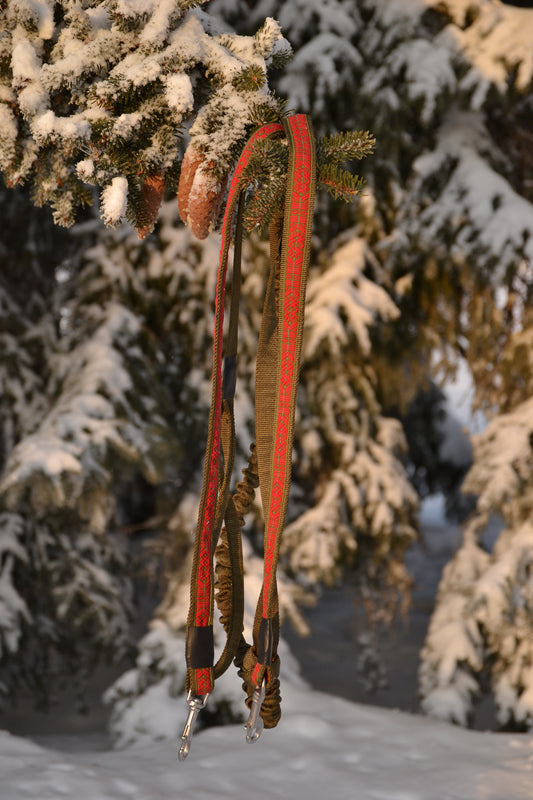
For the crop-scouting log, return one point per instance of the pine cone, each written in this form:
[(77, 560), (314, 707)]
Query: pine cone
[(189, 165), (152, 194), (205, 200), (200, 193)]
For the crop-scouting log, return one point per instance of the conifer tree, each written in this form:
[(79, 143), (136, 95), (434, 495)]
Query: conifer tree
[(28, 246), (121, 400), (434, 261), (453, 196), (446, 88)]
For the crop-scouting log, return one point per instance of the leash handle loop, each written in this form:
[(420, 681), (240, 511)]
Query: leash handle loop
[(276, 386), (199, 677)]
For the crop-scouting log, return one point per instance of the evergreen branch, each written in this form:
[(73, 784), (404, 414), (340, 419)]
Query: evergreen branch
[(132, 85), (250, 79), (136, 213), (265, 204), (266, 113), (340, 183), (267, 164), (269, 156), (267, 171), (188, 5), (347, 145)]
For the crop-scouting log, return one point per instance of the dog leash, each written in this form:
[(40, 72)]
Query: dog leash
[(277, 372)]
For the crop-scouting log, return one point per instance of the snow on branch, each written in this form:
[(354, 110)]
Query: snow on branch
[(115, 84), (501, 473), (342, 301), (482, 621), (13, 608), (477, 208)]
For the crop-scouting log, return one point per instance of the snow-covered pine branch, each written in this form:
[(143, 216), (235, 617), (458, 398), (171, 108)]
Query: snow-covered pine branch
[(100, 94), (485, 599)]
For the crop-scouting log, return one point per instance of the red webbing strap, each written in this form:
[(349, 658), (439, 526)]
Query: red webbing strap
[(199, 647), (295, 256)]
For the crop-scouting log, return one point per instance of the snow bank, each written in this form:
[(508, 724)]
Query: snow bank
[(323, 745)]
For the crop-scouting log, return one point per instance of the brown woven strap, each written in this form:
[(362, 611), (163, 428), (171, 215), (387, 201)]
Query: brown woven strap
[(278, 367), (278, 360), (215, 490)]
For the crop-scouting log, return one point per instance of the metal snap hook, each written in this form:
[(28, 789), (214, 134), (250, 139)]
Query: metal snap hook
[(195, 703), (254, 726)]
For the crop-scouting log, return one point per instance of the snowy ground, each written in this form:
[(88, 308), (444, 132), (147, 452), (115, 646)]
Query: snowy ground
[(323, 746)]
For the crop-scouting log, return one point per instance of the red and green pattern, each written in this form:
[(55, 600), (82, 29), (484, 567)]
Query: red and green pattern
[(294, 267), (299, 203), (201, 607)]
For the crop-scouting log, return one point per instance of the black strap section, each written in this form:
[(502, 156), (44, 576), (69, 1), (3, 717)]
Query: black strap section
[(265, 642), (229, 377), (233, 325), (199, 647)]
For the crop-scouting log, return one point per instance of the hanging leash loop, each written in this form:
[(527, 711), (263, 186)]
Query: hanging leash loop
[(278, 364), (199, 645)]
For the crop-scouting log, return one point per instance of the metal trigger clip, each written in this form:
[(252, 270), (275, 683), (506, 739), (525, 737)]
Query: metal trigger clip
[(195, 703), (254, 726)]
